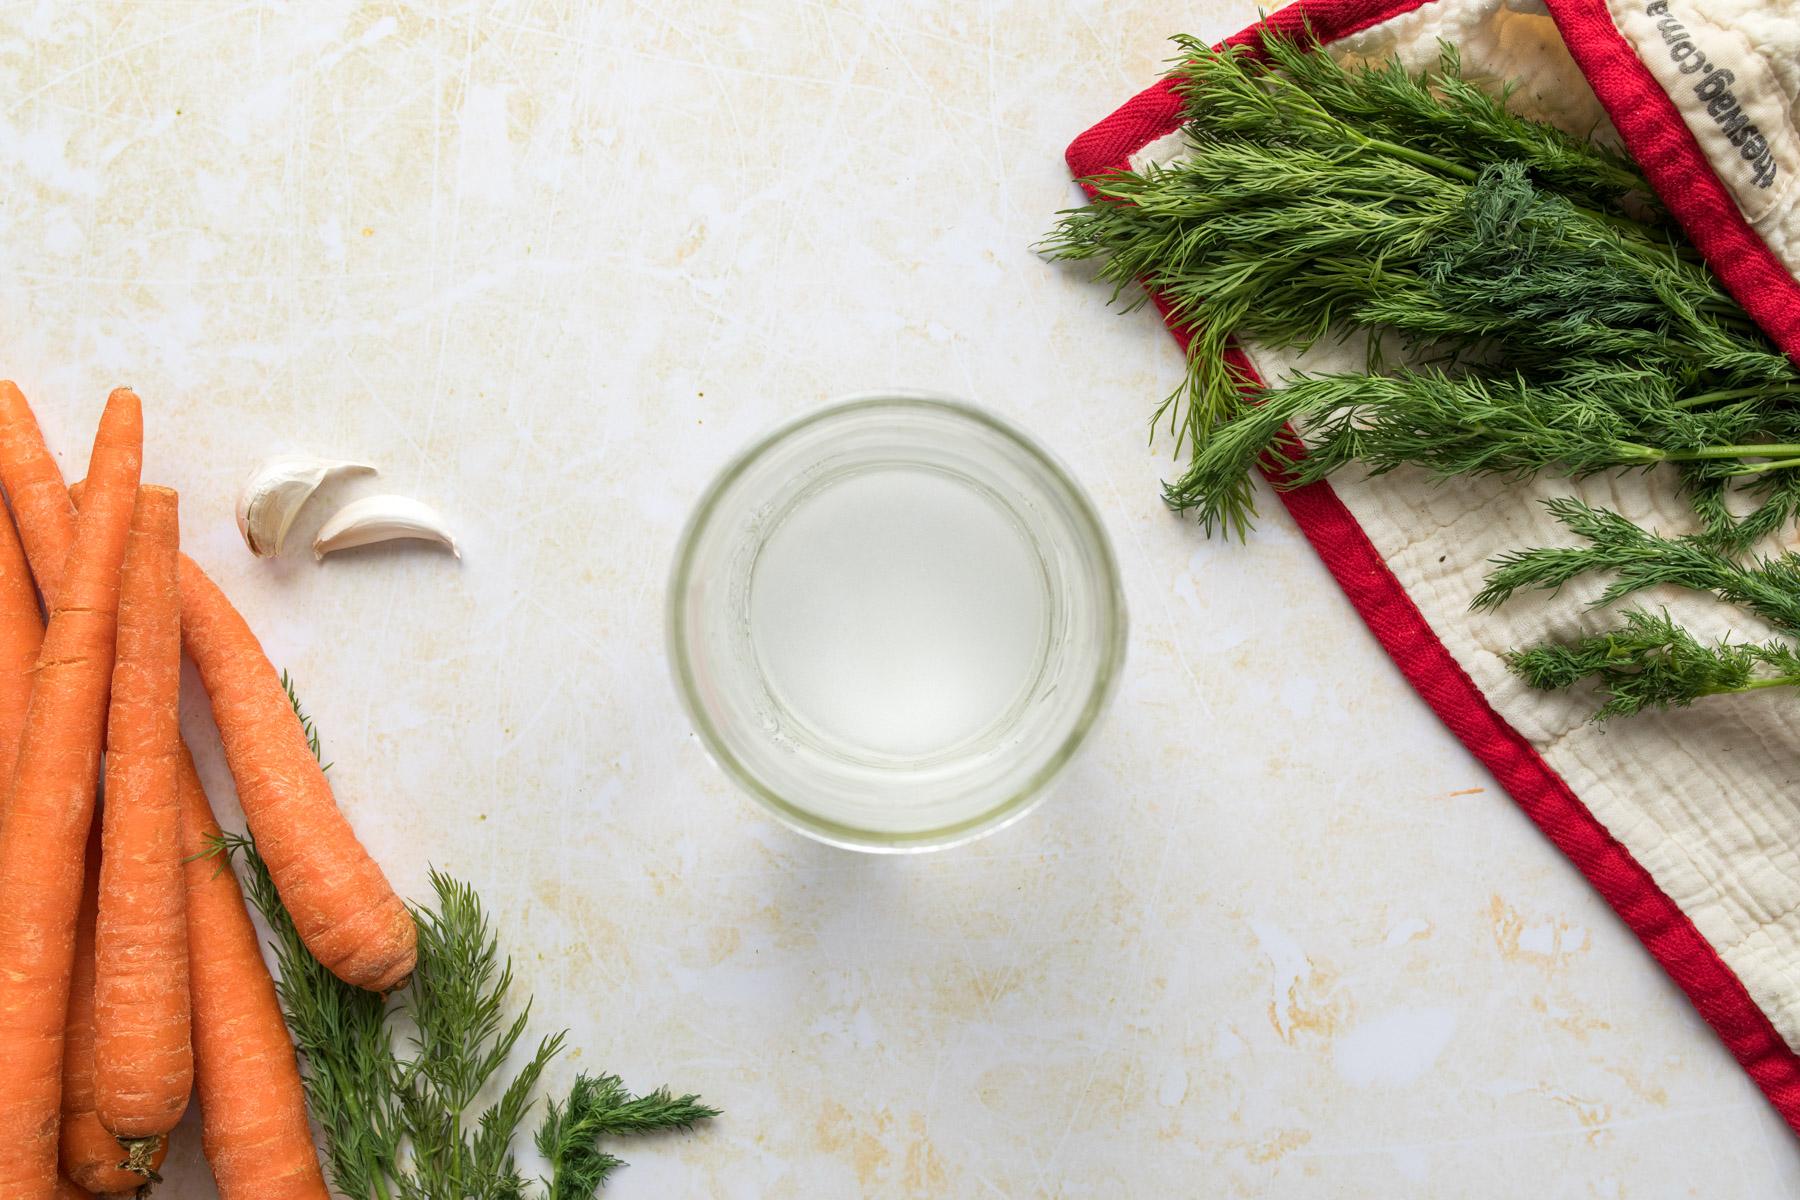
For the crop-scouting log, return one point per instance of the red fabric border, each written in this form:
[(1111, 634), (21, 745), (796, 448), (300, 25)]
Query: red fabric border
[(1672, 160), (1397, 623)]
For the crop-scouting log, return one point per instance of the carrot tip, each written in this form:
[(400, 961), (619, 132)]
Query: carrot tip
[(139, 1155)]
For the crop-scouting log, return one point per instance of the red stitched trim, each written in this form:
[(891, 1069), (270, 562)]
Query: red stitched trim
[(1382, 602), (1675, 165)]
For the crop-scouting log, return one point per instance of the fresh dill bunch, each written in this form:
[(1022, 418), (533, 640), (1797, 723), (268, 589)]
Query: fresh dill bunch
[(1648, 661), (1549, 319), (399, 1125), (1309, 206)]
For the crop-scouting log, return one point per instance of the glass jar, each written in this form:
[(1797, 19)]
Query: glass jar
[(894, 620)]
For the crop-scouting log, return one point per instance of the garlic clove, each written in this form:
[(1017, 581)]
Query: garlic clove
[(276, 492), (382, 519)]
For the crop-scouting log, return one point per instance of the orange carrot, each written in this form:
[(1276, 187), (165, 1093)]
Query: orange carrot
[(25, 466), (254, 1126), (34, 488), (21, 635), (143, 1060), (90, 1155), (51, 806), (342, 905), (252, 1105), (68, 1191)]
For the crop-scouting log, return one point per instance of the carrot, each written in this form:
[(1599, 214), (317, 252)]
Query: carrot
[(34, 487), (342, 905), (143, 1060), (25, 469), (68, 1191), (90, 1155), (21, 635), (254, 1126), (252, 1105), (51, 806)]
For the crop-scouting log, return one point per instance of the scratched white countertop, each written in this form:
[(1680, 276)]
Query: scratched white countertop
[(549, 264)]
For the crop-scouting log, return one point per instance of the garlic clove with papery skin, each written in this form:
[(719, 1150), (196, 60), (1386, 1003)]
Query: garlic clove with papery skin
[(382, 519), (276, 492)]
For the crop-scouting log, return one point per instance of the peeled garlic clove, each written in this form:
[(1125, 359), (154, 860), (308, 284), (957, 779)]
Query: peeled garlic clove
[(382, 519), (275, 493)]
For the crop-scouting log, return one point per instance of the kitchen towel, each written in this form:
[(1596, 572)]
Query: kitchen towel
[(1688, 822)]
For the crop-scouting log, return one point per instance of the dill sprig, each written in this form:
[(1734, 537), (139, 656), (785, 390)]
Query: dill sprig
[(399, 1123), (1317, 200), (1597, 415), (1636, 558), (599, 1106), (1647, 660)]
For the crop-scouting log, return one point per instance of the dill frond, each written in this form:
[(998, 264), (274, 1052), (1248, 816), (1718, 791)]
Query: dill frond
[(599, 1106), (1648, 661), (1594, 416), (1636, 558)]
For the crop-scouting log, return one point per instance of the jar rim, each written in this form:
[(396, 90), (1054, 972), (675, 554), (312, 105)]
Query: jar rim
[(1091, 531)]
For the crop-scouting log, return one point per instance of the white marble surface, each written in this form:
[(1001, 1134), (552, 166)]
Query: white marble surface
[(550, 264)]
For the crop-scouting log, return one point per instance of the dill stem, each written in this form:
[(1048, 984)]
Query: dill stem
[(377, 1175), (1753, 685), (1724, 310), (1419, 158), (1743, 393), (1737, 393), (1763, 468), (1773, 450)]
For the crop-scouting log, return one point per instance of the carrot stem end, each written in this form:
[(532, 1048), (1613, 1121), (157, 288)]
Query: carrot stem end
[(140, 1153)]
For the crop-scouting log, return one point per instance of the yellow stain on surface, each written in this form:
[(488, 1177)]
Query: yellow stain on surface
[(1311, 1004), (1274, 1147), (838, 1132), (1594, 1115), (1548, 943)]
